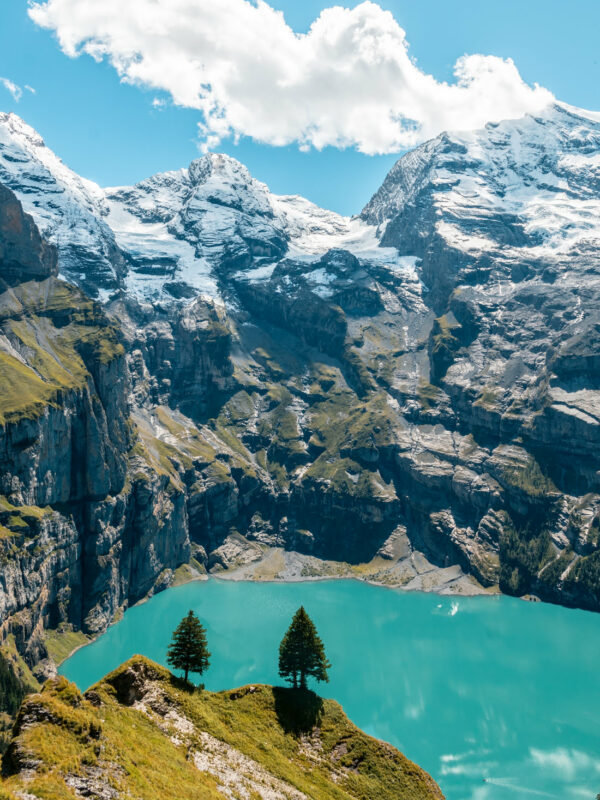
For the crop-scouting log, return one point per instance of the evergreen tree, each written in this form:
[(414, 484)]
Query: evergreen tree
[(301, 652), (188, 649)]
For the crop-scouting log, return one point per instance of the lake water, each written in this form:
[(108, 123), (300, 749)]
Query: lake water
[(497, 698)]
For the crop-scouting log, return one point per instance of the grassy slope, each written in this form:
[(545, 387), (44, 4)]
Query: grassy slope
[(49, 325), (134, 750)]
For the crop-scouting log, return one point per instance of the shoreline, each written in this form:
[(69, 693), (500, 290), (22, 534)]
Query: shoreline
[(406, 572), (459, 583), (240, 575)]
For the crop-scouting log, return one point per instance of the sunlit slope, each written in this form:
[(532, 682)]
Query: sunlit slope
[(139, 734)]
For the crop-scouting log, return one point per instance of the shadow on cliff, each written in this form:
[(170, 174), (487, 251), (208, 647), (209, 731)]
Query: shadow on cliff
[(298, 710)]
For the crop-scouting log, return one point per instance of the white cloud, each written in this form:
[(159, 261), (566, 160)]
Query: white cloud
[(349, 81), (566, 764), (11, 87)]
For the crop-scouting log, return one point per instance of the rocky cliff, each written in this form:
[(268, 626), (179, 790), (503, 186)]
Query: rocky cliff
[(86, 523), (413, 391)]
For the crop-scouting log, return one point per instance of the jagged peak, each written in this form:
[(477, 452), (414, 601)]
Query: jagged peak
[(508, 155), (17, 134), (221, 166), (17, 126)]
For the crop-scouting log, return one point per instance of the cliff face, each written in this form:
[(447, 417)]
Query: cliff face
[(139, 734), (79, 536), (23, 253)]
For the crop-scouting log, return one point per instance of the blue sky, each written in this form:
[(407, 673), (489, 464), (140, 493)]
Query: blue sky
[(109, 131)]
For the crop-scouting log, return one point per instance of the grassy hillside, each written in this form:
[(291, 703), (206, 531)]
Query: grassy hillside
[(49, 330), (140, 734)]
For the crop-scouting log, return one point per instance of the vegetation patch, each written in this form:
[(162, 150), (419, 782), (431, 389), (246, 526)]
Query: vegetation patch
[(56, 335), (530, 479), (16, 681), (584, 579), (62, 641), (443, 344), (20, 521), (523, 554), (428, 394)]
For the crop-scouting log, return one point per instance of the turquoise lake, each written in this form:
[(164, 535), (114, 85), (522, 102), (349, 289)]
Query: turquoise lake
[(497, 698)]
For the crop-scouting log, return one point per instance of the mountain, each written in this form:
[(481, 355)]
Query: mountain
[(138, 733), (173, 235), (201, 375)]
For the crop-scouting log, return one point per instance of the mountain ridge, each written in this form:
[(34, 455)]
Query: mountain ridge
[(291, 399), (165, 198)]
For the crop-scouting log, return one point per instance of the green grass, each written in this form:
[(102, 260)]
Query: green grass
[(16, 680), (230, 439), (307, 743), (427, 394), (444, 344), (58, 334), (61, 643), (10, 652), (21, 522), (188, 572), (342, 421), (279, 425), (347, 477), (189, 438), (488, 398), (238, 408), (530, 479)]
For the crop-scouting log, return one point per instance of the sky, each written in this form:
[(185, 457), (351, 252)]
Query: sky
[(316, 100)]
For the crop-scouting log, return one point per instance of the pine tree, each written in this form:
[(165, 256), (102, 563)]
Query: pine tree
[(188, 650), (301, 652)]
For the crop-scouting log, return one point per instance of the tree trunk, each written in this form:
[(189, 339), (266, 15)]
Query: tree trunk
[(186, 674), (302, 680)]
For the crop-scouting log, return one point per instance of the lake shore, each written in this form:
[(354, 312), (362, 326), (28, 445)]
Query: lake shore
[(401, 568), (250, 561)]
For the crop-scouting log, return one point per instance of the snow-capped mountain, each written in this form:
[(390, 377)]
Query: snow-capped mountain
[(506, 224), (525, 190), (174, 234), (68, 209), (185, 230), (522, 191)]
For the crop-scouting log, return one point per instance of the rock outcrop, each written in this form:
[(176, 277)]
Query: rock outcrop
[(23, 252)]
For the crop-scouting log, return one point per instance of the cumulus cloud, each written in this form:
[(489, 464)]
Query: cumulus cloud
[(348, 82), (565, 763), (12, 87)]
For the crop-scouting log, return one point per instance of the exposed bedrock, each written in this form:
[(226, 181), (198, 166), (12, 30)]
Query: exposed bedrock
[(86, 524)]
